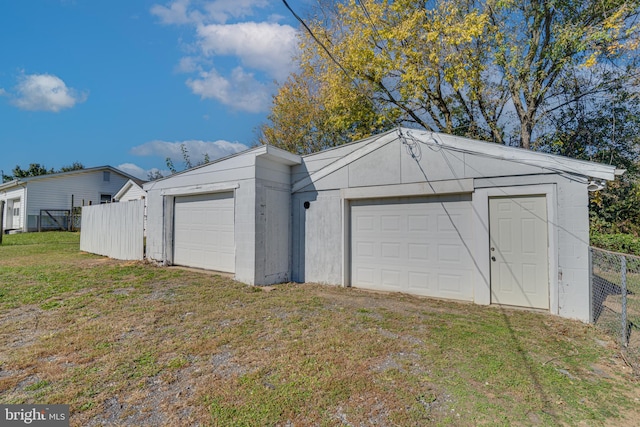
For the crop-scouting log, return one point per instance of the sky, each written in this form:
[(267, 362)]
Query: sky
[(126, 82)]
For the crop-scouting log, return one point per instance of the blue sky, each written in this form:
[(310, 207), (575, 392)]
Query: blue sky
[(125, 82)]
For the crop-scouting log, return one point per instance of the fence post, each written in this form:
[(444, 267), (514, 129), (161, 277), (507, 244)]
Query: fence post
[(591, 314), (623, 291), (1, 219), (70, 225)]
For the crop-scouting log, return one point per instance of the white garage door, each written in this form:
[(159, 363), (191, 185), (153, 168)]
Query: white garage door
[(204, 232), (414, 245)]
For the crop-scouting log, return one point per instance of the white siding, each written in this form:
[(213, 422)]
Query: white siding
[(114, 230), (573, 250), (9, 197), (272, 222), (133, 193), (317, 237), (55, 192)]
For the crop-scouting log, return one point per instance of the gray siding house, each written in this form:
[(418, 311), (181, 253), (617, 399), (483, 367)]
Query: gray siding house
[(26, 197), (405, 211)]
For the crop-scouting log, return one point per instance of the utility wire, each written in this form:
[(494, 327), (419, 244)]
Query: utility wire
[(319, 42), (373, 26), (391, 98)]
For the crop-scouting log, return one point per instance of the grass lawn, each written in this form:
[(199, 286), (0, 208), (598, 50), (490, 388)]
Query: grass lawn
[(127, 343)]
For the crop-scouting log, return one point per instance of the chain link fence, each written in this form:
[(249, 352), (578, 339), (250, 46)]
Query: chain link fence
[(615, 285)]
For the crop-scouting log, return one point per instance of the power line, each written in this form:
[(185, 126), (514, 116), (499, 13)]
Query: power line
[(368, 16), (318, 41)]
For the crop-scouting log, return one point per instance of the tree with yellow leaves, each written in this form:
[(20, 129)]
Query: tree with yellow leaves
[(494, 69)]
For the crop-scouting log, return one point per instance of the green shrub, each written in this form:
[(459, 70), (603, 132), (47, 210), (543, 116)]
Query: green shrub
[(617, 242)]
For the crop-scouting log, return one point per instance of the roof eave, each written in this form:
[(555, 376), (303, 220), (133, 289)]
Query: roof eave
[(519, 155), (278, 155)]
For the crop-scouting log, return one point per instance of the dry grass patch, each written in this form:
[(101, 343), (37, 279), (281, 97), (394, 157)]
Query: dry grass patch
[(133, 344)]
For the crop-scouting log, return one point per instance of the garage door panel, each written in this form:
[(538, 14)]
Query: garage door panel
[(390, 251), (418, 251), (390, 277), (389, 223), (204, 234), (417, 223), (449, 254), (450, 283), (364, 223), (365, 275), (418, 280), (411, 245)]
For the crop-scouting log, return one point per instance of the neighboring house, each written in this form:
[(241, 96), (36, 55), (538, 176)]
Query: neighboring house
[(131, 190), (407, 211), (27, 200)]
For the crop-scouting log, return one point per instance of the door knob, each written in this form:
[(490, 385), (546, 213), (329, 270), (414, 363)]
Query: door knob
[(493, 258)]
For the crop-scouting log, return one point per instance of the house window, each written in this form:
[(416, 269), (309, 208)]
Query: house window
[(105, 198), (106, 176), (16, 211)]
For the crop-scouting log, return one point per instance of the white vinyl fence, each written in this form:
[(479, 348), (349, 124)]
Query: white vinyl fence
[(115, 230)]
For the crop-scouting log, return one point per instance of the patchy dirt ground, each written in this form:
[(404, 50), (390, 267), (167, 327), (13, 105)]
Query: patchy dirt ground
[(133, 344)]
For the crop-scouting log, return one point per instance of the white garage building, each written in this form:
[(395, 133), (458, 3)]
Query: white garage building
[(407, 211)]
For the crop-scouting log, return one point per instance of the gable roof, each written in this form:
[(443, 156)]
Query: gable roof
[(551, 162), (28, 179), (126, 187)]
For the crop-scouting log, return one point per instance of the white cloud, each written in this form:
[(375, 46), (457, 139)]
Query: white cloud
[(3, 92), (222, 10), (45, 92), (197, 150), (134, 170), (261, 52), (263, 46), (188, 64), (176, 13), (138, 172), (240, 91)]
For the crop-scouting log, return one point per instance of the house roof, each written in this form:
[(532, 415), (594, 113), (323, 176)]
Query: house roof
[(547, 161), (19, 181), (125, 188)]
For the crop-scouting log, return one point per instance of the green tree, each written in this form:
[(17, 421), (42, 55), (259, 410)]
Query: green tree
[(605, 129), (311, 113), (72, 167), (490, 69), (35, 169)]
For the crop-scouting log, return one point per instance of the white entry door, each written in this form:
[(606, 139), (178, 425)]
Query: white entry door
[(203, 233), (15, 214), (519, 251)]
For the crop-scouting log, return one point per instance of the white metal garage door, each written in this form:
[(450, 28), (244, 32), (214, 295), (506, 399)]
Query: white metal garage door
[(414, 245), (204, 231)]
